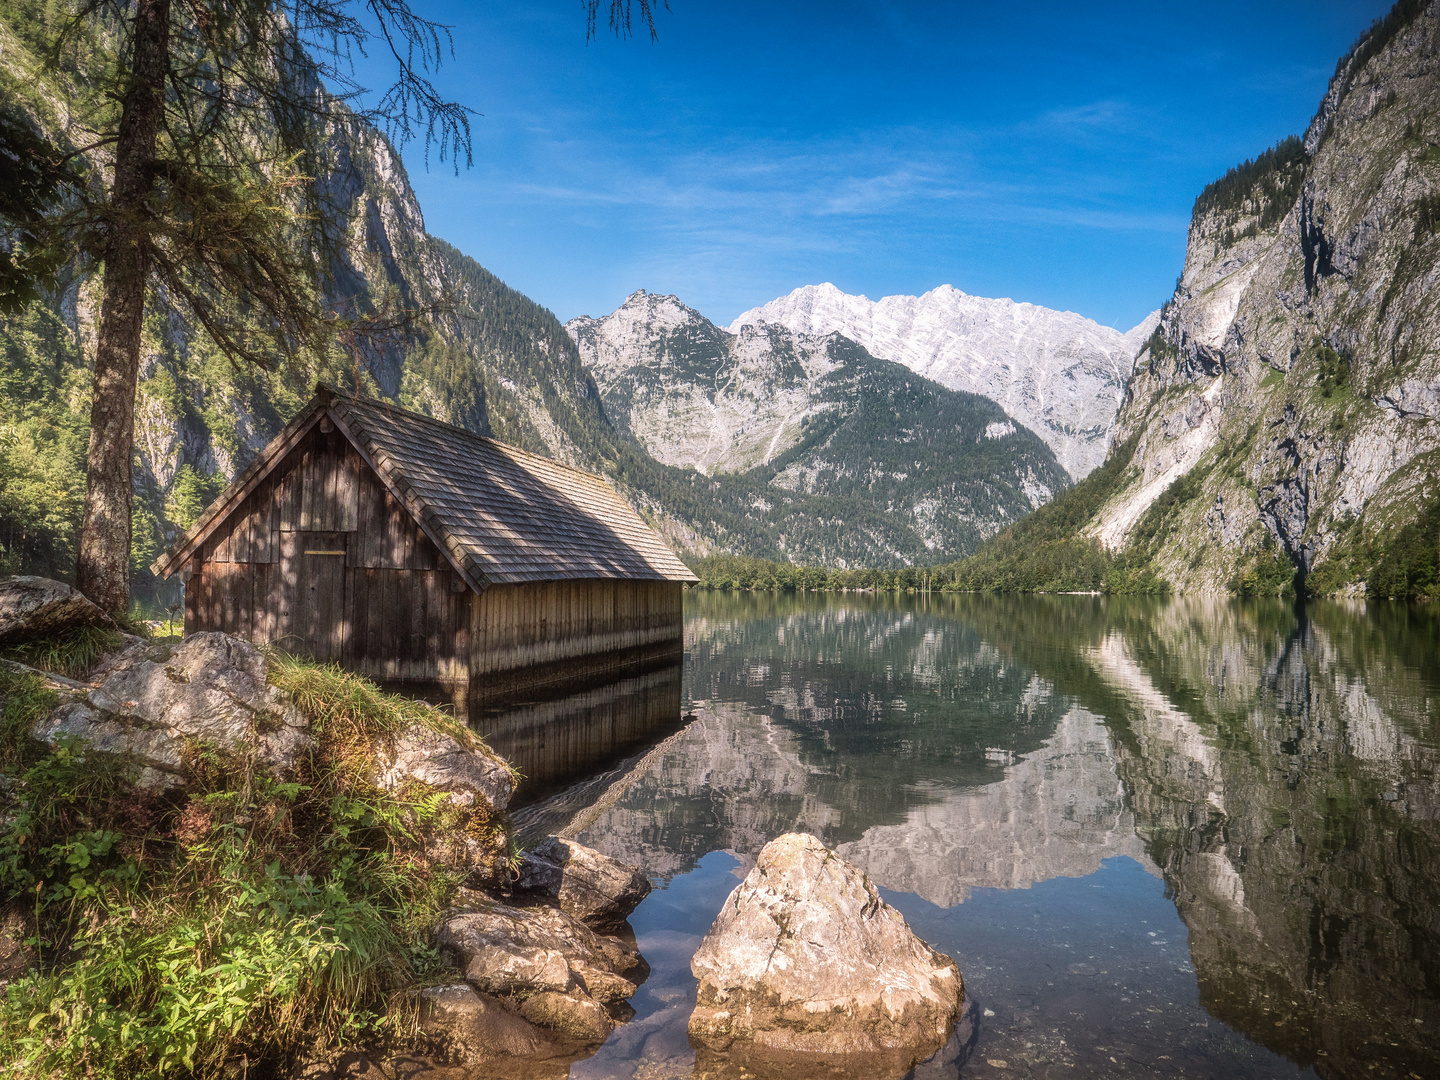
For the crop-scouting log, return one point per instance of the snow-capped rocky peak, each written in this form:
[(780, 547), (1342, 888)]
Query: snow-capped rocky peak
[(1057, 372), (694, 394)]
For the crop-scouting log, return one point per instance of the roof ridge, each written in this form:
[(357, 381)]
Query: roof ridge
[(343, 397)]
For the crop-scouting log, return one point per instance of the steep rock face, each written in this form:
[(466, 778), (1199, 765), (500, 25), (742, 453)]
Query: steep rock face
[(1056, 372), (817, 417), (1292, 383)]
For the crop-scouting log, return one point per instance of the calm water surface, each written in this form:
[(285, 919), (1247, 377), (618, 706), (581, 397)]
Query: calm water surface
[(1161, 838)]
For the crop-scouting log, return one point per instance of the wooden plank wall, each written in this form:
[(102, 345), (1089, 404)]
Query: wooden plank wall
[(542, 623), (390, 607)]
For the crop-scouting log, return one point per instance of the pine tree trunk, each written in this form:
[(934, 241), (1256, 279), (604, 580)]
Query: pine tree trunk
[(103, 570)]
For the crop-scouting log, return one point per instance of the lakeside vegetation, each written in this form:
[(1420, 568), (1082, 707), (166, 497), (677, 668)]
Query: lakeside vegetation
[(240, 919), (1042, 552)]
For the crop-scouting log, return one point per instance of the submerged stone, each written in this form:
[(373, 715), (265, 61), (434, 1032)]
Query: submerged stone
[(806, 962)]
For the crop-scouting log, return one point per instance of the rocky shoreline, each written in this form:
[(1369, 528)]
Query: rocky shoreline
[(534, 959)]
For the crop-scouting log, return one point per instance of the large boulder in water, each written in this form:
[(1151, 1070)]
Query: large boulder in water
[(599, 891), (35, 606), (807, 961)]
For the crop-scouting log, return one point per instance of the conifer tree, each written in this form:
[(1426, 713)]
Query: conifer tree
[(205, 185)]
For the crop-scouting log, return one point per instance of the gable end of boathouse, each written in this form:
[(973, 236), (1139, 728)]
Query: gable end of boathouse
[(420, 554)]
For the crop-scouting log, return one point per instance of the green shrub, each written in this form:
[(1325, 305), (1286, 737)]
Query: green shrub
[(72, 651), (227, 928), (1267, 573)]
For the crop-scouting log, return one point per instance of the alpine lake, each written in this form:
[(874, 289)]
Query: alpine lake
[(1161, 837)]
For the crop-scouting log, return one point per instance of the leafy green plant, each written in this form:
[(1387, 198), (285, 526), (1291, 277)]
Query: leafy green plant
[(238, 922)]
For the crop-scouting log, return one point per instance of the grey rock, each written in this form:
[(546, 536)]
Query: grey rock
[(524, 951), (155, 700), (33, 606), (596, 889), (475, 1028), (806, 958), (441, 762), (574, 1016)]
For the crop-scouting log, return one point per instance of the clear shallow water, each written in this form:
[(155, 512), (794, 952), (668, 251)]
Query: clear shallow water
[(1161, 838)]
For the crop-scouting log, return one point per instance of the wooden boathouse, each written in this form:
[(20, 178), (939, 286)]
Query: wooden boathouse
[(414, 552)]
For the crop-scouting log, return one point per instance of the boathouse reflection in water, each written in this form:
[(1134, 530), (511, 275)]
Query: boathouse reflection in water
[(556, 740)]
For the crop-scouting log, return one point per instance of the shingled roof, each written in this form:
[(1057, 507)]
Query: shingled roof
[(500, 514)]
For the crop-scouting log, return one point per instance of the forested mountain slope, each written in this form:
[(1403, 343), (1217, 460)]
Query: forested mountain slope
[(491, 360), (1283, 422)]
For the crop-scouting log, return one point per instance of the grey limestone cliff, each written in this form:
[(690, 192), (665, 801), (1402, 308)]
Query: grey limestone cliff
[(1292, 391)]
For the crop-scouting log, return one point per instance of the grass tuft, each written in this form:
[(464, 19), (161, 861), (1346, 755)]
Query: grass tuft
[(237, 925), (72, 652)]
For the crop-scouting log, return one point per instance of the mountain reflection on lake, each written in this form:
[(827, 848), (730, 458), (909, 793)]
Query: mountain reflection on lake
[(1161, 837)]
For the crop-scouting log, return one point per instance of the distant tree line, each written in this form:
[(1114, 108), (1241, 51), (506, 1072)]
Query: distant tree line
[(1043, 552)]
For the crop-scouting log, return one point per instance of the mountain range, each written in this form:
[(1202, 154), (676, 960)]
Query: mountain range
[(816, 416), (1060, 374)]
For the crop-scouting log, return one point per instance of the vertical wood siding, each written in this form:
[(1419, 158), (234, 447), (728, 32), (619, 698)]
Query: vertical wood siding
[(387, 605), (321, 561), (539, 622)]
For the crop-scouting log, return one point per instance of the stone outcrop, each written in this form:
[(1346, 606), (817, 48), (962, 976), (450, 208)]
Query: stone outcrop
[(545, 966), (155, 701), (35, 606), (599, 891), (806, 959), (441, 762), (509, 950)]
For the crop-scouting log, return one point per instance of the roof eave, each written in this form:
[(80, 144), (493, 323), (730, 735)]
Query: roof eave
[(240, 488)]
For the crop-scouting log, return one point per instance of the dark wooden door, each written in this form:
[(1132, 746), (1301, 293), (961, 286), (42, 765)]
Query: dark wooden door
[(318, 611)]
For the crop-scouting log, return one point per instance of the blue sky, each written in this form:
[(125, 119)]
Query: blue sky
[(1046, 152)]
